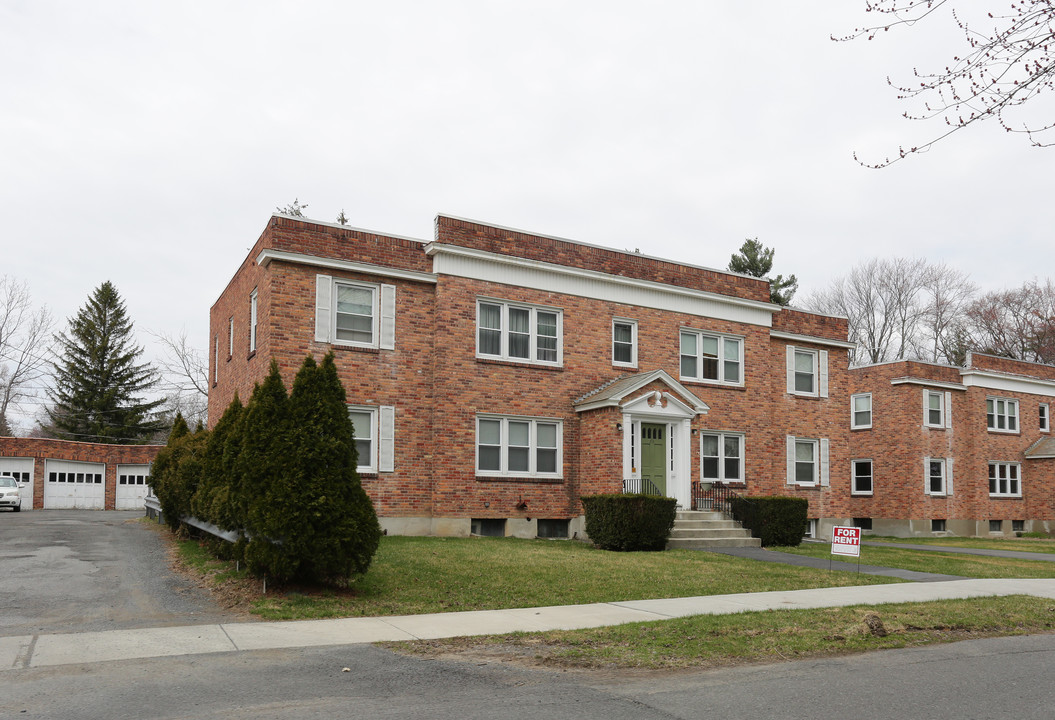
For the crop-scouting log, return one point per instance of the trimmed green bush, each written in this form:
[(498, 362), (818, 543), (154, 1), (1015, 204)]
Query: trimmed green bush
[(629, 522), (177, 471), (775, 520)]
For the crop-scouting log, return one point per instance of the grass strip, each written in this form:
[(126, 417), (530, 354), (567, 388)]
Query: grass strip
[(975, 566), (708, 641), (1033, 545), (413, 575)]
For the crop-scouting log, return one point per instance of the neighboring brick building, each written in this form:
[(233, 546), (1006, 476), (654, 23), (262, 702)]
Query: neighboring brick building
[(495, 376), (938, 448), (66, 474)]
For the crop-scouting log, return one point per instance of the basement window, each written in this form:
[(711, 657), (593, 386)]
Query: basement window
[(865, 523), (996, 526), (488, 527), (552, 528), (1018, 526), (937, 526)]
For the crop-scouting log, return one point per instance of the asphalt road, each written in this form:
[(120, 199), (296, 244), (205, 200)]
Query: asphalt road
[(85, 570), (997, 678)]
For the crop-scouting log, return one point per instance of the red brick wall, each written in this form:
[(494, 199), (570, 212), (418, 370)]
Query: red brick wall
[(438, 385), (112, 455), (564, 252)]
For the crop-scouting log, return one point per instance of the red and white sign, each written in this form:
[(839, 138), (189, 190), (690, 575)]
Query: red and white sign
[(846, 541)]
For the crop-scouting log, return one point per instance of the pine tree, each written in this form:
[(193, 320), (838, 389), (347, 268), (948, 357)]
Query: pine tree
[(756, 260), (99, 383)]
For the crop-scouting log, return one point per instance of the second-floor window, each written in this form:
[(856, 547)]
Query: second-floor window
[(712, 358), (1001, 414), (1045, 418), (522, 333), (624, 343), (861, 411), (252, 321)]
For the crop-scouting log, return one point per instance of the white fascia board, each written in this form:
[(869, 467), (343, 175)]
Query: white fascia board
[(551, 277), (927, 383), (1007, 383), (794, 337), (268, 254)]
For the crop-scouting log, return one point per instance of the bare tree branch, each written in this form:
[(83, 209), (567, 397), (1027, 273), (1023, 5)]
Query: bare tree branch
[(25, 341), (1008, 63)]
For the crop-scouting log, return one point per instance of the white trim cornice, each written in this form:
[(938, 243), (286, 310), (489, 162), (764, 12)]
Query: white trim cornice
[(268, 254), (927, 383), (616, 283), (794, 337), (1005, 382)]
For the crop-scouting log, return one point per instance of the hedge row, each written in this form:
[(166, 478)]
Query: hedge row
[(281, 471), (629, 522), (777, 521)]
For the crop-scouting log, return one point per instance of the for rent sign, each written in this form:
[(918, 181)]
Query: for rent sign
[(846, 541)]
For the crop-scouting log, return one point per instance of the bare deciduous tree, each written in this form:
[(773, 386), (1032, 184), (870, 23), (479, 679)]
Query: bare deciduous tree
[(186, 373), (1008, 60), (899, 309), (25, 339), (1017, 323)]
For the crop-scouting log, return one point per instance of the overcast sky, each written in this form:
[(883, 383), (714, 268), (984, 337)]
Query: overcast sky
[(148, 143)]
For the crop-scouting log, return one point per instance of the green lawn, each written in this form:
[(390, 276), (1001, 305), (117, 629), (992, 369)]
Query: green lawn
[(975, 566), (711, 641), (1034, 545), (413, 575)]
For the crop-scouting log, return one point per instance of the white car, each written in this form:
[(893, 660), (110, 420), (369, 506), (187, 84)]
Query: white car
[(11, 493)]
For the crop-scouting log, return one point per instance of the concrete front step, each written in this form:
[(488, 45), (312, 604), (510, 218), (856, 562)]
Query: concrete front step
[(704, 529), (680, 532), (702, 543)]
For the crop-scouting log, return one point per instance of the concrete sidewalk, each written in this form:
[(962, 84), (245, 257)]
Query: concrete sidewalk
[(38, 651)]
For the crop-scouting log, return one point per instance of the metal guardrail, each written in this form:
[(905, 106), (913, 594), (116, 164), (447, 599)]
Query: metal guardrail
[(642, 486), (153, 510)]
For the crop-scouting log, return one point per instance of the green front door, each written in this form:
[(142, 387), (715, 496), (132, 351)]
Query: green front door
[(654, 457)]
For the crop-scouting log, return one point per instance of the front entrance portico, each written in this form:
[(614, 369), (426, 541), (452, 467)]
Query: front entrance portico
[(657, 413)]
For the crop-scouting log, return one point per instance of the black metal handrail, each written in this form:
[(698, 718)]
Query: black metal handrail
[(716, 496), (642, 486)]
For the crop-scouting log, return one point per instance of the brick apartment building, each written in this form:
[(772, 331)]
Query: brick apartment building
[(495, 376), (938, 448)]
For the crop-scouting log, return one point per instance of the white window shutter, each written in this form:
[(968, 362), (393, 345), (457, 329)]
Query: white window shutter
[(791, 460), (791, 369), (926, 407), (323, 297), (824, 463), (948, 409), (823, 379), (388, 317), (926, 475), (386, 458), (948, 476)]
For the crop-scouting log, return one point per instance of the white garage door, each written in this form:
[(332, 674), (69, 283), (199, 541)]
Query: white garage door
[(132, 486), (21, 469), (69, 484)]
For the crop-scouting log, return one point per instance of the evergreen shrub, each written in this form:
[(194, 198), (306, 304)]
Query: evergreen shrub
[(775, 520), (629, 522)]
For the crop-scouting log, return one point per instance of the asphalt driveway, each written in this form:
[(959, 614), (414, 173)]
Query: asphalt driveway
[(87, 570)]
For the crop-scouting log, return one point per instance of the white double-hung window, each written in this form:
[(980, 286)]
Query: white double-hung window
[(861, 411), (807, 461), (518, 446), (1005, 479), (937, 409), (712, 358), (374, 430), (624, 342), (520, 333), (807, 372), (722, 457), (937, 476), (1001, 414), (355, 314)]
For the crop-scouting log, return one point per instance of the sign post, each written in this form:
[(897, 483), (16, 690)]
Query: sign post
[(847, 541)]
